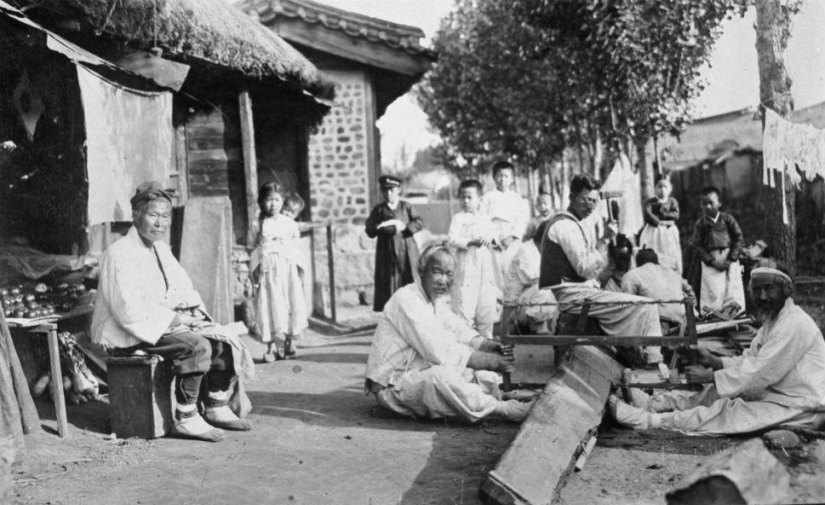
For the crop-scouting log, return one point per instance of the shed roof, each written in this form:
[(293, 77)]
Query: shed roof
[(209, 30), (714, 138)]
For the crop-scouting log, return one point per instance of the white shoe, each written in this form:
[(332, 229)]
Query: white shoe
[(627, 415), (196, 428), (223, 417)]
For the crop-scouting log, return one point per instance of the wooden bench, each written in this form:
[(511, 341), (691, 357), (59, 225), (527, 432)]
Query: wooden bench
[(140, 396)]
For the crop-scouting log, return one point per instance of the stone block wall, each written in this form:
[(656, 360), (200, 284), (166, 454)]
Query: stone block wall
[(339, 167)]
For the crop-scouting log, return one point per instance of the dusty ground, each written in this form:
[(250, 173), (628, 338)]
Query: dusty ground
[(317, 440)]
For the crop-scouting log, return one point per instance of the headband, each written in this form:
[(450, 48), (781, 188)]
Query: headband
[(429, 252), (147, 192), (770, 272)]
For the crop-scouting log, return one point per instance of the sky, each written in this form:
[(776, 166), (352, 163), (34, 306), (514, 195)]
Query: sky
[(732, 76)]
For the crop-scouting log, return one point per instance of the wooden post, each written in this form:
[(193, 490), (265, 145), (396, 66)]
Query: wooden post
[(250, 162), (504, 336), (57, 381), (331, 266)]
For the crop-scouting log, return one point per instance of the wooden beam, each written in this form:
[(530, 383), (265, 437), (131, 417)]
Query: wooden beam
[(250, 162), (746, 474), (555, 433), (616, 341)]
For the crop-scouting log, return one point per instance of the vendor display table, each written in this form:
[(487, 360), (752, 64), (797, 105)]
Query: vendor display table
[(48, 326)]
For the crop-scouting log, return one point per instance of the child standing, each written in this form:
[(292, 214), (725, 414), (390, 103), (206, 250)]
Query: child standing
[(278, 273), (544, 208), (660, 232), (509, 214), (470, 235), (717, 240)]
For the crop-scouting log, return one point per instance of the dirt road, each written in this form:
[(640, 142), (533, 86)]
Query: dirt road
[(315, 441)]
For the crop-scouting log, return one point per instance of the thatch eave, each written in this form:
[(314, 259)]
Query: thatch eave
[(208, 31)]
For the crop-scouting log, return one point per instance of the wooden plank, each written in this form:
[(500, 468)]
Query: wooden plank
[(617, 341), (534, 364), (746, 474), (57, 382), (250, 163), (555, 433), (182, 163)]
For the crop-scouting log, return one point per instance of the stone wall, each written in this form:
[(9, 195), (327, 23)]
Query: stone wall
[(340, 180)]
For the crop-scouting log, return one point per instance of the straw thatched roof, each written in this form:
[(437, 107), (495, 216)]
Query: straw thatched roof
[(210, 30)]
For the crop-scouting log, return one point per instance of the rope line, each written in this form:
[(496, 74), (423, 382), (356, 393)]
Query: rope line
[(591, 303)]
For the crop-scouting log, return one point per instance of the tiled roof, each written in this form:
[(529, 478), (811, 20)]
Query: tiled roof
[(354, 25)]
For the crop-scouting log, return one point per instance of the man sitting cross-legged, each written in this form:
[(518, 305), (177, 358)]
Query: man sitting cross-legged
[(425, 361), (780, 379)]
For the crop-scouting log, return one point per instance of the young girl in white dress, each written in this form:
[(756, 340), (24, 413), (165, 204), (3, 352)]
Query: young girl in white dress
[(660, 232), (278, 270)]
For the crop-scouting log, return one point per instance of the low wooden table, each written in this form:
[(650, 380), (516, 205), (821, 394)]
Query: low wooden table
[(48, 326)]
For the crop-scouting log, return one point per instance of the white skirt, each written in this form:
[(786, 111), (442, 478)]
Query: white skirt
[(665, 241)]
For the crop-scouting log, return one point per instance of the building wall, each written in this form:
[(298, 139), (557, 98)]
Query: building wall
[(342, 160)]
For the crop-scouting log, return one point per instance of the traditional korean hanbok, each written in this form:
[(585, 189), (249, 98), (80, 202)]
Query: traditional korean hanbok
[(510, 214), (660, 232), (474, 291), (279, 300), (521, 288)]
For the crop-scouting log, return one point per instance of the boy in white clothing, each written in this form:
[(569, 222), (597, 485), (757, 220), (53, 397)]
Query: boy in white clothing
[(509, 213), (471, 233)]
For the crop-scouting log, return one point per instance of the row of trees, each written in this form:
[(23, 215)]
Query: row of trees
[(533, 79)]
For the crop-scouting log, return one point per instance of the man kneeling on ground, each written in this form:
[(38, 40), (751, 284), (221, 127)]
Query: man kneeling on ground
[(146, 302), (426, 362), (779, 380)]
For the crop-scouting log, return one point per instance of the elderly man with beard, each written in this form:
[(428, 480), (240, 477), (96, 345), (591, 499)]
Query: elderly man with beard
[(779, 380), (146, 302), (426, 362)]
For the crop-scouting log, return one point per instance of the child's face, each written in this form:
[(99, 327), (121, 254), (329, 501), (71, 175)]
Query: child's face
[(469, 199), (272, 204), (543, 205), (663, 190), (391, 195), (504, 179), (710, 204), (289, 212)]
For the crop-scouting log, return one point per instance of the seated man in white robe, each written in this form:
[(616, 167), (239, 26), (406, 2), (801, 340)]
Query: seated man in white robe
[(146, 302), (535, 308), (778, 380), (571, 264), (426, 362), (658, 282)]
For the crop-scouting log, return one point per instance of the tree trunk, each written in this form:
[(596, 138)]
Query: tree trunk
[(645, 179), (772, 33)]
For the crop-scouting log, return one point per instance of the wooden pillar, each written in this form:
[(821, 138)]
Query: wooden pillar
[(250, 162)]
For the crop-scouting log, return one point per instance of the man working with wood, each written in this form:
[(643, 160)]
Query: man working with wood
[(779, 380), (425, 361), (571, 262)]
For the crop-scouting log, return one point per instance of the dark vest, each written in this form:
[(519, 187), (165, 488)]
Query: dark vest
[(555, 266)]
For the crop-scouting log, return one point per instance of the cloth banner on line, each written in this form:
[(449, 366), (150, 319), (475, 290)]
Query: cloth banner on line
[(129, 140)]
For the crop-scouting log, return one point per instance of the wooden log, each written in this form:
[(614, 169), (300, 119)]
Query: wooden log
[(555, 433), (57, 386), (746, 474), (250, 163)]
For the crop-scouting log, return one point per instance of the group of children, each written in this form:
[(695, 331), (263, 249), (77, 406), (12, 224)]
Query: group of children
[(497, 249)]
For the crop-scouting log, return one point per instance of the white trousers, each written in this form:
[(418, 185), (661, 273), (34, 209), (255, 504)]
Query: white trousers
[(705, 413), (440, 391), (720, 288), (628, 320)]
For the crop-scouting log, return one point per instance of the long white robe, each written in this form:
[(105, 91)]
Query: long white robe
[(135, 304), (779, 379), (474, 290), (419, 356), (521, 287), (617, 320), (510, 214)]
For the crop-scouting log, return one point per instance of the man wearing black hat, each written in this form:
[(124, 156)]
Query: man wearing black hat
[(394, 223), (146, 302)]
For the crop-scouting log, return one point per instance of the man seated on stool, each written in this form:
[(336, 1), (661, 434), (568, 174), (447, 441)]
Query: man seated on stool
[(146, 302), (652, 280), (778, 380), (571, 261), (425, 361)]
